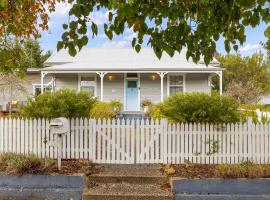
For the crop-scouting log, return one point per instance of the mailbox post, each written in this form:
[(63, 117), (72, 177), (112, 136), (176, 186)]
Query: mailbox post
[(60, 127)]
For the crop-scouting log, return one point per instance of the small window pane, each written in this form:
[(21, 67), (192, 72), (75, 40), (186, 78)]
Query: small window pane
[(174, 90), (90, 90), (132, 75), (87, 78), (176, 80), (132, 84)]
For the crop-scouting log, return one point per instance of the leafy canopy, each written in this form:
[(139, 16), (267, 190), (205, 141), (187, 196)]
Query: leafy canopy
[(17, 56), (24, 18), (168, 25), (245, 78)]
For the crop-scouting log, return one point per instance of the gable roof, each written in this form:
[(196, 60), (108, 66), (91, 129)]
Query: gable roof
[(116, 59)]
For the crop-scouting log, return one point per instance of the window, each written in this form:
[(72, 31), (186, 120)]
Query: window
[(132, 84), (88, 84), (132, 75), (176, 84), (37, 89)]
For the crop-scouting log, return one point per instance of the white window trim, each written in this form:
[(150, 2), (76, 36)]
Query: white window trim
[(168, 82), (35, 86), (88, 75), (38, 85)]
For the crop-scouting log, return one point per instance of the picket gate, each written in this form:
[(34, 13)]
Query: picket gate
[(140, 141)]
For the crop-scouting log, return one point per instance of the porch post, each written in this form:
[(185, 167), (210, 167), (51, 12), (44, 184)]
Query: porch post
[(101, 75), (43, 74), (220, 82), (161, 74)]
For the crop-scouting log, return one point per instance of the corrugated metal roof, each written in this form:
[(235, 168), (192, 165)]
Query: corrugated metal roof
[(122, 59)]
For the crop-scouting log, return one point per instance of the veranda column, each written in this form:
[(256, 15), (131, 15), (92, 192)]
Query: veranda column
[(162, 74), (101, 75), (220, 82), (43, 74)]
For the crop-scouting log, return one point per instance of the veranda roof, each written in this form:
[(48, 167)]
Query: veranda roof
[(123, 59)]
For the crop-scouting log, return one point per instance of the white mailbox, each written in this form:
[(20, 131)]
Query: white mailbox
[(59, 126)]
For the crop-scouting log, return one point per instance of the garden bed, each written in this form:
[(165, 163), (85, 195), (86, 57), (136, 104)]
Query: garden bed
[(30, 177), (227, 171)]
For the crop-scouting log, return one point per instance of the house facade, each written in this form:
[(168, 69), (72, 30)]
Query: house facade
[(124, 75)]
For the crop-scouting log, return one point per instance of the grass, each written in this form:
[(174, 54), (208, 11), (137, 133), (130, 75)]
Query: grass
[(226, 171), (19, 164)]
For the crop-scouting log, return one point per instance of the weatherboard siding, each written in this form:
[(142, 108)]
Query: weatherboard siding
[(197, 83), (29, 80), (66, 81)]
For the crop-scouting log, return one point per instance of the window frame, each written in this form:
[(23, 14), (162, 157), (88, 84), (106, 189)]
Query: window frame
[(169, 85), (88, 75), (36, 86)]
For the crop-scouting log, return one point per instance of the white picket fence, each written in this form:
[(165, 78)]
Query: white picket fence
[(140, 141)]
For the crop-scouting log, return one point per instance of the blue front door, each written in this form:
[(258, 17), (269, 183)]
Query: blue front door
[(132, 95)]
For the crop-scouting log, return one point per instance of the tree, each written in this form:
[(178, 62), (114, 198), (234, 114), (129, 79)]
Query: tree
[(13, 85), (245, 78), (24, 18), (169, 25), (12, 56), (35, 56), (18, 56), (244, 93)]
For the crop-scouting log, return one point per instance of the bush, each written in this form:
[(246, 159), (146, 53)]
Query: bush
[(107, 110), (198, 108), (19, 164), (62, 103)]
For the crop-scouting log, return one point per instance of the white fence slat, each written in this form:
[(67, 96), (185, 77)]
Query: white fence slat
[(86, 139), (142, 154), (127, 141), (118, 141), (14, 131), (26, 136), (113, 142), (2, 135), (81, 143), (137, 158), (132, 140), (10, 134), (140, 141), (5, 135), (43, 129), (108, 140), (38, 136)]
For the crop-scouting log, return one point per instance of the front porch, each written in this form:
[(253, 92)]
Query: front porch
[(133, 87)]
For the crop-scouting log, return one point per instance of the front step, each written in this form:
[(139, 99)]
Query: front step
[(143, 174), (127, 191), (127, 182)]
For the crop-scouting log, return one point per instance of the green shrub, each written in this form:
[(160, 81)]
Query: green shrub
[(107, 110), (62, 103), (19, 164), (198, 108)]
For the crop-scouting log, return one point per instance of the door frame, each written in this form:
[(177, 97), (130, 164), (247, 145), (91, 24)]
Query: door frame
[(139, 90)]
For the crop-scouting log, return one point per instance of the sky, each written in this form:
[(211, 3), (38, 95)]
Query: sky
[(50, 38)]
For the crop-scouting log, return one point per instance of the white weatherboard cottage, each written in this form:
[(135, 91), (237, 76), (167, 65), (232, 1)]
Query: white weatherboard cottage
[(124, 75)]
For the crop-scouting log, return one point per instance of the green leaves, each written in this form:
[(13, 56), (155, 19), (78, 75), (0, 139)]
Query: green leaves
[(170, 25), (60, 45), (138, 48), (94, 29)]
